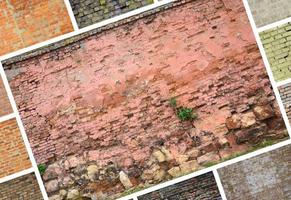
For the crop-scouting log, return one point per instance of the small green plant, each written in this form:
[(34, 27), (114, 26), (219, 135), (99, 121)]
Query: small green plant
[(41, 169), (183, 113), (186, 114)]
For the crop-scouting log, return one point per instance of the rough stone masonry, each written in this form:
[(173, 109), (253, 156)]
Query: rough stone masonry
[(96, 107), (202, 187), (22, 188), (266, 177)]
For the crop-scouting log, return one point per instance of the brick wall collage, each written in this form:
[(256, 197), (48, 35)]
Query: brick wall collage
[(145, 99)]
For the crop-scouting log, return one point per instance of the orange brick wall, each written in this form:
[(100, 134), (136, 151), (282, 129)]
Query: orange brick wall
[(13, 155), (26, 22), (5, 107)]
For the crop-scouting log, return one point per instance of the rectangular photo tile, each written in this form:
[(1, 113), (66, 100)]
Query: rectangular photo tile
[(27, 22), (145, 100), (22, 188), (264, 177), (200, 187), (13, 154), (269, 11), (277, 45), (285, 93), (88, 12), (5, 106)]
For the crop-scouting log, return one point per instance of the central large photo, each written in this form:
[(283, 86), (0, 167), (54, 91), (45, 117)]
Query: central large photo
[(144, 100)]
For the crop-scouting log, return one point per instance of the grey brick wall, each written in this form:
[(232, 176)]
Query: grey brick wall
[(269, 11), (88, 12), (264, 177), (197, 188), (285, 93)]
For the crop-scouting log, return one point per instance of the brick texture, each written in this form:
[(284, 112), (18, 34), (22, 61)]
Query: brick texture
[(269, 11), (197, 188), (96, 107), (264, 177), (285, 93), (277, 44), (22, 188), (4, 101), (13, 155), (88, 12), (23, 23)]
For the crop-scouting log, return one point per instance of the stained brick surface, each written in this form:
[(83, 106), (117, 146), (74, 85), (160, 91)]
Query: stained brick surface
[(277, 44), (96, 107), (264, 177), (22, 188), (88, 12), (26, 22), (13, 155), (269, 11), (198, 188), (5, 107), (285, 93)]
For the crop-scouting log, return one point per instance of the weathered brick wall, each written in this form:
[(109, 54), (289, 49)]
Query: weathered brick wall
[(266, 177), (277, 44), (98, 107), (22, 188), (88, 12), (5, 107), (197, 188), (285, 93), (13, 155), (23, 23), (269, 11)]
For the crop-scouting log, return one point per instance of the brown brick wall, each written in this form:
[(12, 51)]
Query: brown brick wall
[(5, 106), (264, 177), (13, 154), (96, 107), (22, 188), (26, 22)]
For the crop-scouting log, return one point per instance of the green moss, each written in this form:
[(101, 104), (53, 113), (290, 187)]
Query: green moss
[(186, 114), (173, 102)]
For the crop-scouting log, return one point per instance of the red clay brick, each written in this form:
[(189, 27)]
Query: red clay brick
[(5, 106)]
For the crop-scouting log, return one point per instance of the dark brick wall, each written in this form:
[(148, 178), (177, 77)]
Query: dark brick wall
[(197, 188), (264, 177), (88, 12), (22, 188)]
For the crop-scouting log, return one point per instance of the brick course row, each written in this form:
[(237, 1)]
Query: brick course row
[(22, 188), (267, 177), (24, 23), (277, 44), (88, 12), (13, 154)]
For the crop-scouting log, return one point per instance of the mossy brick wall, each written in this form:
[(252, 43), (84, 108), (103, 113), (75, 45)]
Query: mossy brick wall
[(5, 107), (13, 155), (96, 107), (23, 23), (269, 11), (267, 176), (197, 188), (285, 93), (88, 12), (22, 188), (277, 44)]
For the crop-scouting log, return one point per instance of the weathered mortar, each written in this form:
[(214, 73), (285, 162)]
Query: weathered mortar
[(24, 187), (96, 107), (88, 12), (267, 176), (24, 23), (200, 187)]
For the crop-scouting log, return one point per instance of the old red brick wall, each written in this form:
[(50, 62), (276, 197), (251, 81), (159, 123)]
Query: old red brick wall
[(13, 154), (100, 106), (24, 187), (5, 107), (26, 22)]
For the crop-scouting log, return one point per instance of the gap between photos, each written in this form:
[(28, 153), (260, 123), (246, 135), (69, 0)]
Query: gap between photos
[(78, 31)]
